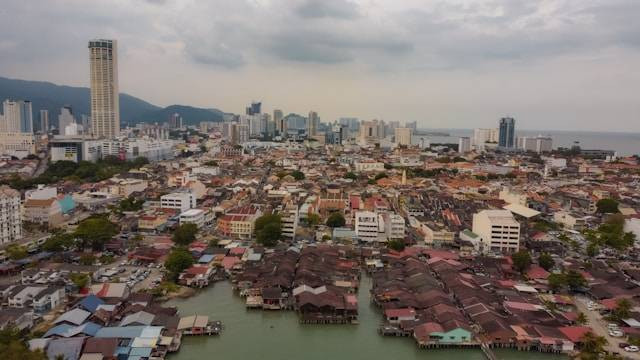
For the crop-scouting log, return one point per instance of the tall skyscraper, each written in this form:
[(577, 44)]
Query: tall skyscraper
[(507, 134), (175, 121), (65, 118), (254, 109), (18, 117), (278, 118), (44, 121), (464, 144), (313, 122), (105, 104)]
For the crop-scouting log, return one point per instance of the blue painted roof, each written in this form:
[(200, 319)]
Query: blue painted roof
[(91, 303), (129, 332), (66, 203), (88, 328), (59, 330), (205, 259)]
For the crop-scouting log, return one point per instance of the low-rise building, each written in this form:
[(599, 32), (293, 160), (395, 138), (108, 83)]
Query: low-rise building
[(193, 216), (181, 201)]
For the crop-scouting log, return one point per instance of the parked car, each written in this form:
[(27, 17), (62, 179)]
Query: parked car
[(632, 348), (616, 333)]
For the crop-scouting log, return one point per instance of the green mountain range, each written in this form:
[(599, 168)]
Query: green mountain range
[(49, 96)]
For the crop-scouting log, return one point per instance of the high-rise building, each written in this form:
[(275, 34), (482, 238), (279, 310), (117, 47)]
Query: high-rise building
[(239, 133), (44, 121), (17, 118), (538, 144), (464, 144), (254, 109), (313, 122), (65, 118), (278, 118), (403, 136), (105, 104), (411, 125), (175, 121), (369, 132), (507, 134), (10, 215)]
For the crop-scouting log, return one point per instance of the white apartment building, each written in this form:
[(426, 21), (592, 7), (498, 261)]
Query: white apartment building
[(403, 136), (464, 144), (570, 221), (193, 216), (369, 225), (395, 227), (10, 215), (289, 217), (18, 144), (368, 166), (498, 229), (105, 103), (182, 201)]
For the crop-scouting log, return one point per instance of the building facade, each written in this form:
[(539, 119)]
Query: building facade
[(507, 134), (105, 104), (10, 215), (498, 230)]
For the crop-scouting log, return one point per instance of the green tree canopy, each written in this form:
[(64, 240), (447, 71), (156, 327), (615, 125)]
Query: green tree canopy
[(95, 232), (14, 347), (556, 282), (546, 261), (575, 279), (298, 175), (130, 204), (607, 206), (178, 260), (397, 245), (313, 219), (336, 219), (521, 260), (80, 280), (268, 229), (58, 242), (16, 252), (351, 175), (185, 234)]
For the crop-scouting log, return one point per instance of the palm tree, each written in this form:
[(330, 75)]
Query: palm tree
[(592, 346), (623, 309), (582, 319)]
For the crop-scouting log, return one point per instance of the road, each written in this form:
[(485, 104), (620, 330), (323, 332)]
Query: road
[(599, 327)]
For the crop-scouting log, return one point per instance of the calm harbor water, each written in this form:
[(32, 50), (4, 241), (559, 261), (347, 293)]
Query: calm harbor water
[(254, 334), (623, 143)]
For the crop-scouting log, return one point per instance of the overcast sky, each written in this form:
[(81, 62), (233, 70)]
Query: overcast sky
[(561, 64)]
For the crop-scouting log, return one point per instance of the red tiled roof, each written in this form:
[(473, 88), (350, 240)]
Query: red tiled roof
[(574, 333)]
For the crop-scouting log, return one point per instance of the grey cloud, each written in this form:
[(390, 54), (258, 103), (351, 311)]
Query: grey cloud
[(341, 9), (218, 54)]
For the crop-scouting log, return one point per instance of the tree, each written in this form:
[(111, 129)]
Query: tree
[(607, 206), (556, 282), (521, 260), (582, 319), (622, 310), (87, 259), (95, 232), (546, 261), (269, 235), (13, 346), (185, 234), (351, 175), (593, 249), (396, 245), (592, 346), (388, 166), (58, 242), (313, 219), (80, 280), (268, 229), (575, 279), (380, 176), (336, 219), (298, 175), (178, 260), (131, 204), (16, 252)]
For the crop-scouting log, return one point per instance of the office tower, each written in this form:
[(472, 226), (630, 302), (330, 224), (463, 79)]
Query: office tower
[(254, 109), (239, 133), (538, 144), (44, 121), (10, 215), (65, 118), (411, 125), (105, 104), (382, 129), (544, 144), (507, 133), (175, 121), (403, 136), (464, 144), (278, 118), (18, 117), (313, 122), (482, 137)]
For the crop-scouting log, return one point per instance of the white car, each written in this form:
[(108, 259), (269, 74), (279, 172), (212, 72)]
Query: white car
[(616, 333), (631, 348), (613, 326)]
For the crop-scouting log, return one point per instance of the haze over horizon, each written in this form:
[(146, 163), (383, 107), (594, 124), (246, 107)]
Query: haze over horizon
[(553, 65)]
